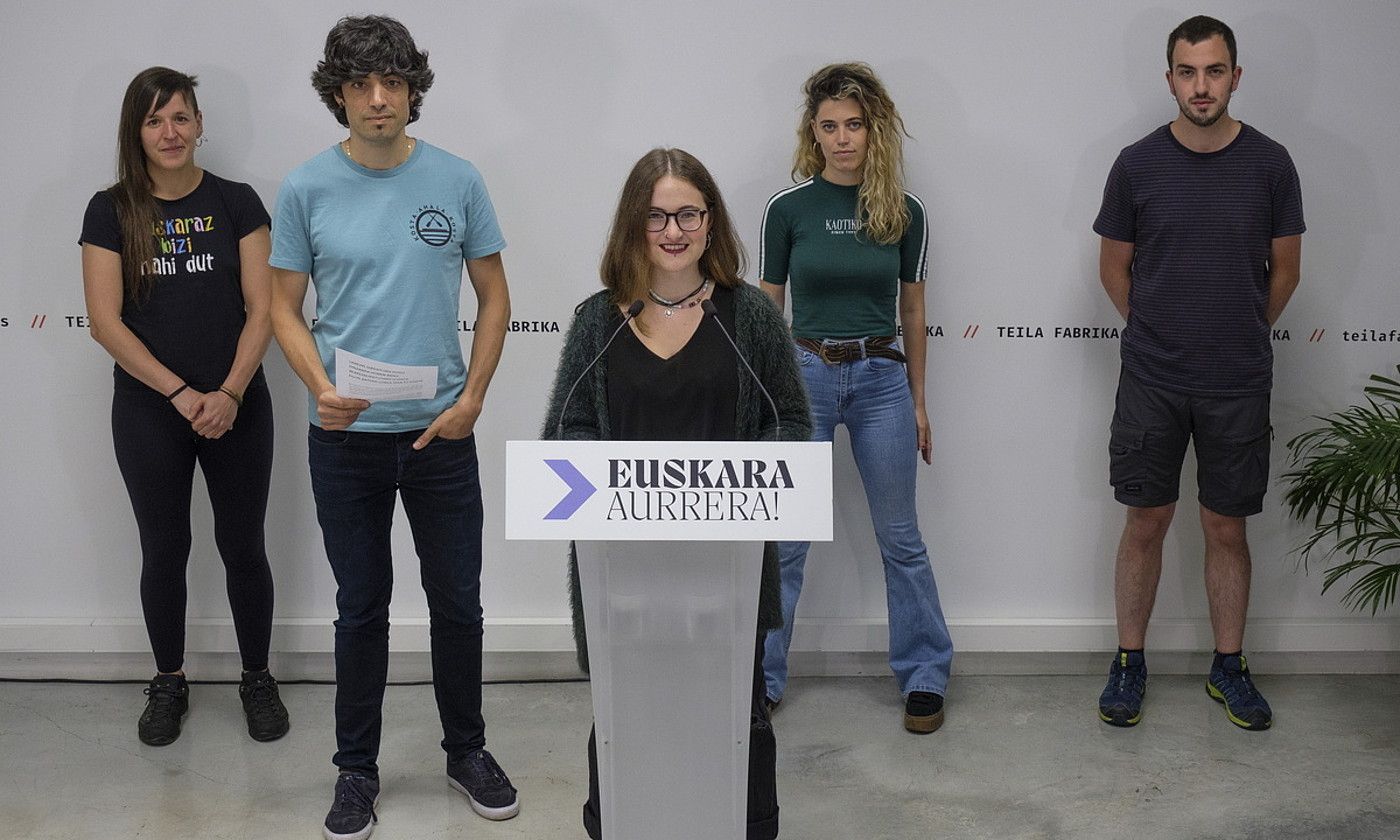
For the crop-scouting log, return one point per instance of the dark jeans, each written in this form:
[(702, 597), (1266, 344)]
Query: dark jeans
[(356, 478), (763, 768), (156, 453)]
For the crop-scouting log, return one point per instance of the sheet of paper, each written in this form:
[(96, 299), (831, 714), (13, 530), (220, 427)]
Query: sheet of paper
[(367, 379)]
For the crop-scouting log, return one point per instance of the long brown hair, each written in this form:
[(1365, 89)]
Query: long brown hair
[(137, 211), (626, 268), (880, 204)]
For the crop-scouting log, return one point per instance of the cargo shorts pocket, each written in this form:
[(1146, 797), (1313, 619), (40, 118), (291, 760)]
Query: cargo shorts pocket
[(1240, 476), (1127, 468)]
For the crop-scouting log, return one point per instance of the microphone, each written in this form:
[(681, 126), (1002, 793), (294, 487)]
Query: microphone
[(632, 311), (709, 308)]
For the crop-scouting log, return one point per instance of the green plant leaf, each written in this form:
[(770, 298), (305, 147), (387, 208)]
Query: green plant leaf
[(1343, 481)]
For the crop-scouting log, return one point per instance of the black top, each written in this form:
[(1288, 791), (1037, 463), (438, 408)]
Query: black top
[(691, 396), (1202, 225), (194, 314)]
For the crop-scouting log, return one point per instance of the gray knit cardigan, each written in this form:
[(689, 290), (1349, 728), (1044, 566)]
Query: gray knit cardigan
[(764, 339)]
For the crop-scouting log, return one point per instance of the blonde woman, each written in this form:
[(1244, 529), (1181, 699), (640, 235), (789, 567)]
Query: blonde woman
[(852, 245)]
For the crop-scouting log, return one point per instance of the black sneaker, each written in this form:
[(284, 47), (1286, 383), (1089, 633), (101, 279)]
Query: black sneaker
[(1120, 704), (485, 784), (923, 711), (267, 717), (352, 814), (1231, 685), (168, 698)]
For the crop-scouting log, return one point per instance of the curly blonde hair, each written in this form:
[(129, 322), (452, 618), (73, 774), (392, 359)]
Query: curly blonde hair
[(880, 204)]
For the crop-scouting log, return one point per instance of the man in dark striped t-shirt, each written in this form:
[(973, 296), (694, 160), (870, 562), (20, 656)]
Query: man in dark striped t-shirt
[(1201, 228)]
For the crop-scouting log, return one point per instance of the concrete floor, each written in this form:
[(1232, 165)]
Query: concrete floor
[(1020, 758)]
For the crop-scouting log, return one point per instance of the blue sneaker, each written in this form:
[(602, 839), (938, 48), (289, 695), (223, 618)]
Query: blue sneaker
[(1121, 701), (352, 814), (1231, 685)]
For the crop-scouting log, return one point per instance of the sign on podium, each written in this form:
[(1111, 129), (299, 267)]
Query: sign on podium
[(667, 490), (669, 538)]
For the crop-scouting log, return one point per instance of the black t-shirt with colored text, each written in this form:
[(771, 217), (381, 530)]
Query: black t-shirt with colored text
[(194, 314)]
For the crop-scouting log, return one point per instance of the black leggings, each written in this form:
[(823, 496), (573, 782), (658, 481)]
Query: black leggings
[(156, 452)]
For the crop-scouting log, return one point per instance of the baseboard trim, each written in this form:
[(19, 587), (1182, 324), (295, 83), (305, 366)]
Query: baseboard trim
[(538, 666), (542, 649)]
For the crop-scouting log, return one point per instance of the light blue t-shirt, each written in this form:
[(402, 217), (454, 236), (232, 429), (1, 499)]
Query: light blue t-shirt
[(385, 251)]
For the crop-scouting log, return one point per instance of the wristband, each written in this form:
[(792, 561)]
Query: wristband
[(237, 398), (177, 392)]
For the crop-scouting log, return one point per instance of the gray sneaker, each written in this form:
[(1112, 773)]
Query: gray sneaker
[(352, 814), (485, 784)]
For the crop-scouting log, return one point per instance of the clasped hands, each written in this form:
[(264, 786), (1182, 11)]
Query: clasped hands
[(211, 414)]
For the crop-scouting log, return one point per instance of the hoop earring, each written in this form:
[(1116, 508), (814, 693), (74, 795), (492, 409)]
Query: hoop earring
[(200, 141)]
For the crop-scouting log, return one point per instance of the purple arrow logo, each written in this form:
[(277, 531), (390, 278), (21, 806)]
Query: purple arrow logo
[(580, 488)]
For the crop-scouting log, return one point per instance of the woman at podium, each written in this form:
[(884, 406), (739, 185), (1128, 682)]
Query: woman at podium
[(642, 361), (852, 246)]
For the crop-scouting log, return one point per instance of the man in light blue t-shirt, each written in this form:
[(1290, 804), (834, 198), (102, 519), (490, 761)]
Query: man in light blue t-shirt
[(382, 224)]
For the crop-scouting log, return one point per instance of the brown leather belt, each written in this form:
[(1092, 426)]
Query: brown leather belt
[(835, 352)]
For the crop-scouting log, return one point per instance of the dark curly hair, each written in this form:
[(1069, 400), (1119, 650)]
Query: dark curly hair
[(359, 46)]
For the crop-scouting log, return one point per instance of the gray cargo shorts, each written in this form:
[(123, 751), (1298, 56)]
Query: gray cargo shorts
[(1147, 445)]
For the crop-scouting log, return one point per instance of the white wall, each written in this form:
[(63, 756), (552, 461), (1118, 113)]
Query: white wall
[(1017, 110)]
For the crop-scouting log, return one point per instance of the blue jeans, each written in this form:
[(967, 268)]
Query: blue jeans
[(356, 478), (871, 396)]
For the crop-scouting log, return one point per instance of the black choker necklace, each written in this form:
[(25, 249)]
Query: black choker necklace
[(672, 305)]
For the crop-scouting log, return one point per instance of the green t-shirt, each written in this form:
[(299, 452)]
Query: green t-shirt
[(842, 284)]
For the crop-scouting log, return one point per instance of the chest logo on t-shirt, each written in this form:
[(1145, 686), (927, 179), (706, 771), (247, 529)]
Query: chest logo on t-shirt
[(839, 227), (177, 236), (433, 226)]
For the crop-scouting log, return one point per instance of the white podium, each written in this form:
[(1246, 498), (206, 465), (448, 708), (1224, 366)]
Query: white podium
[(669, 540)]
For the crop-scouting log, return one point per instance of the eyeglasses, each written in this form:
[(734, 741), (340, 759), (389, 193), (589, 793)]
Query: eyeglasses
[(687, 220)]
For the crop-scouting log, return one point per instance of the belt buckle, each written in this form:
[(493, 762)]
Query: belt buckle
[(839, 352)]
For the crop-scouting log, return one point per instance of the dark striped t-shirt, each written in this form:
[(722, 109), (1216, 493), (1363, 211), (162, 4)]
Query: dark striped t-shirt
[(1202, 225)]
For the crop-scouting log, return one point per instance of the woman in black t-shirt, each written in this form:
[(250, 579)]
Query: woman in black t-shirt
[(178, 290)]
